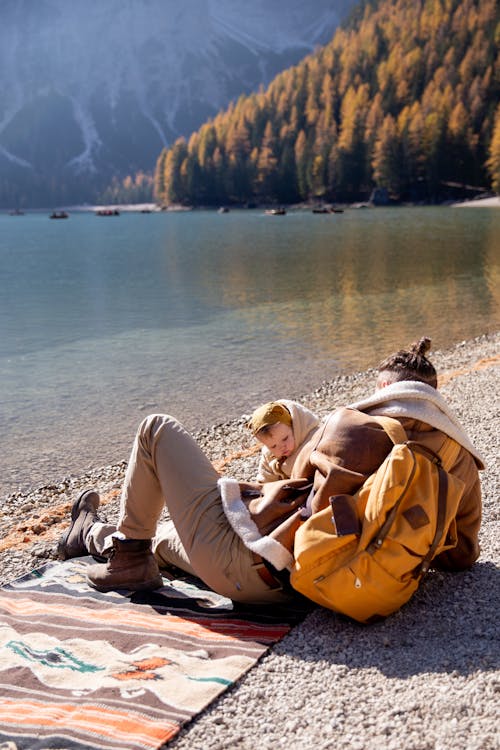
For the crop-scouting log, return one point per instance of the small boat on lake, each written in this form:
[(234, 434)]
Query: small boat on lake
[(275, 212), (321, 210), (59, 215), (107, 212)]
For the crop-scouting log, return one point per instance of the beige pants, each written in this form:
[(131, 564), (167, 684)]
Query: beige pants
[(168, 468)]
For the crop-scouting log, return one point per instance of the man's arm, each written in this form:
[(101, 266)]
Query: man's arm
[(468, 518)]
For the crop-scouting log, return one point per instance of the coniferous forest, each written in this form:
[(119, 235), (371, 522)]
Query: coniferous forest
[(404, 99)]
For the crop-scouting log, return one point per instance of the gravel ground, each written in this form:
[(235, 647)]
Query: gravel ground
[(426, 678)]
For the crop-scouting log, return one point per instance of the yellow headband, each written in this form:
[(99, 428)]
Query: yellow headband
[(269, 414)]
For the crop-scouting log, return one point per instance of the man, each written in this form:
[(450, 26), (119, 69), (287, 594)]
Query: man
[(238, 544)]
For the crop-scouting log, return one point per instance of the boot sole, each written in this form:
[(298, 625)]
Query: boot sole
[(153, 583)]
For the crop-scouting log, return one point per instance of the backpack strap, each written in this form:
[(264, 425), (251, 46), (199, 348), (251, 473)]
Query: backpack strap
[(394, 429), (443, 460), (440, 520), (449, 452), (441, 507)]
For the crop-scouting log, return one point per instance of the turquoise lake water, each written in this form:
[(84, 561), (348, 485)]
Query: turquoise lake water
[(204, 315)]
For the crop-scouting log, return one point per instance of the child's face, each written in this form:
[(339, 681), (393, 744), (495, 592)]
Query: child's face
[(279, 439)]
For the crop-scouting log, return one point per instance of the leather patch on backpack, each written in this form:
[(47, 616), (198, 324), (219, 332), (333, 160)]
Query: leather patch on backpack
[(344, 515), (416, 516)]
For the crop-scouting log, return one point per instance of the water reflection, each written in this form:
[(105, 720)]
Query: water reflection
[(365, 281)]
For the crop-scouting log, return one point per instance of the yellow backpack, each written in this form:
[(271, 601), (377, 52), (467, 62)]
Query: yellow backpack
[(365, 554)]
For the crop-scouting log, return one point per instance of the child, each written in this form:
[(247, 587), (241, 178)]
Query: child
[(282, 427)]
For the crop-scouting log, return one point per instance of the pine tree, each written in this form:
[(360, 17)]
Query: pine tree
[(493, 163), (301, 157), (159, 178), (175, 191), (387, 158), (265, 178)]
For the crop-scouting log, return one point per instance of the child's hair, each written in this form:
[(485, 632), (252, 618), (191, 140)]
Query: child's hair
[(411, 364), (267, 415)]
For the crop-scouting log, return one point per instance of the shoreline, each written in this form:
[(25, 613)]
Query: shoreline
[(491, 201), (219, 438)]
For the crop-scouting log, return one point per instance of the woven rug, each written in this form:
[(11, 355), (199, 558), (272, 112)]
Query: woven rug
[(80, 669)]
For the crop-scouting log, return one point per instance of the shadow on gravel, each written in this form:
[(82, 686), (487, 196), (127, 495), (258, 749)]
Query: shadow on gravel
[(450, 625)]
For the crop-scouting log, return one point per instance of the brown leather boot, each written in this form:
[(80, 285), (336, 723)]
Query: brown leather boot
[(83, 516), (131, 565)]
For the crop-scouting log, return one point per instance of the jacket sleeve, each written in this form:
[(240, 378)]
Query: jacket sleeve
[(468, 518)]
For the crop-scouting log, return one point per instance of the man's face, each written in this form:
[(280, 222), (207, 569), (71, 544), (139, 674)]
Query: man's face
[(279, 439)]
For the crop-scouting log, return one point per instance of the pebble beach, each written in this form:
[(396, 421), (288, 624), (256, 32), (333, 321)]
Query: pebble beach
[(427, 678)]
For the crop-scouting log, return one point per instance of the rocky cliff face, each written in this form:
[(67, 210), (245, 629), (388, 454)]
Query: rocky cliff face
[(94, 89)]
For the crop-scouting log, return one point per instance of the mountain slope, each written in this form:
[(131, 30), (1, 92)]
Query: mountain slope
[(403, 99), (96, 89)]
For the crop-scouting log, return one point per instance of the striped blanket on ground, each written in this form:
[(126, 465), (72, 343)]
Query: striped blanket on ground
[(80, 669)]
